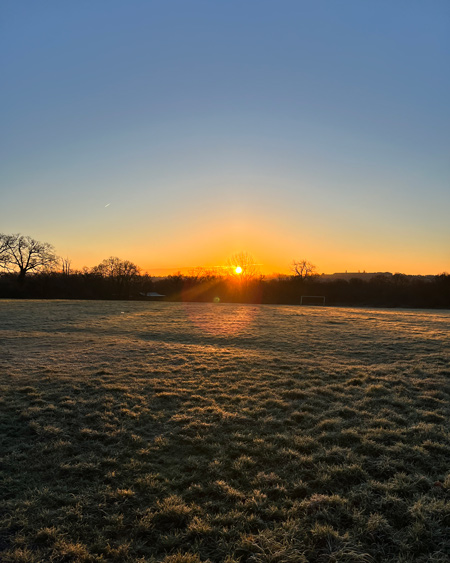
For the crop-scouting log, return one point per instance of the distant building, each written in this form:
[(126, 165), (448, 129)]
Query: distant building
[(353, 275)]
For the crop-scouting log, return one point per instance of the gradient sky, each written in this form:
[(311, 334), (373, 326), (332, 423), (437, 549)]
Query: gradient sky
[(287, 129)]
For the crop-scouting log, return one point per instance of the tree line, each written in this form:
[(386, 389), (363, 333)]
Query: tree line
[(31, 269)]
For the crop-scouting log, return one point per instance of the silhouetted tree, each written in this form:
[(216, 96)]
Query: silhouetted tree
[(303, 269), (203, 275), (3, 247), (114, 267), (65, 266), (24, 254), (242, 267), (120, 272)]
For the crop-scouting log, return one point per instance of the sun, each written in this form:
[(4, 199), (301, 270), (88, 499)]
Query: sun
[(238, 270)]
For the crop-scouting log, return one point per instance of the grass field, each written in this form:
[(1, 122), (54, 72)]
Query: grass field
[(187, 433)]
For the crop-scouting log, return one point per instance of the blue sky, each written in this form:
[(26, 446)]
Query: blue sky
[(288, 129)]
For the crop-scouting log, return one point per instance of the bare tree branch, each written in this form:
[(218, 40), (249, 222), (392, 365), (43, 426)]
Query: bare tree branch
[(66, 266), (303, 269), (242, 267), (114, 267), (25, 254), (120, 272)]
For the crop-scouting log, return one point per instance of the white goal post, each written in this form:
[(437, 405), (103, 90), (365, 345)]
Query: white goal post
[(312, 300)]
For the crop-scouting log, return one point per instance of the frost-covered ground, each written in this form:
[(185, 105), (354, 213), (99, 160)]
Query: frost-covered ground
[(174, 432)]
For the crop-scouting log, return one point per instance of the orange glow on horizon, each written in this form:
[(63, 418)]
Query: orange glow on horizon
[(217, 238), (273, 257)]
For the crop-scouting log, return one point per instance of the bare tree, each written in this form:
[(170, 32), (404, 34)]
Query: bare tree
[(25, 254), (303, 269), (3, 248), (114, 267), (201, 274), (242, 267), (66, 266), (120, 272)]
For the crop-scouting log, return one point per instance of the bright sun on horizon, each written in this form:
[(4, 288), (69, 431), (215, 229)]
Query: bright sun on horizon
[(238, 270)]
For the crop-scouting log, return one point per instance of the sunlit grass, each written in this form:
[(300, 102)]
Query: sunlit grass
[(186, 434)]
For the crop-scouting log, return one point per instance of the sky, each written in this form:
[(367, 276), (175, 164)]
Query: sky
[(176, 134)]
